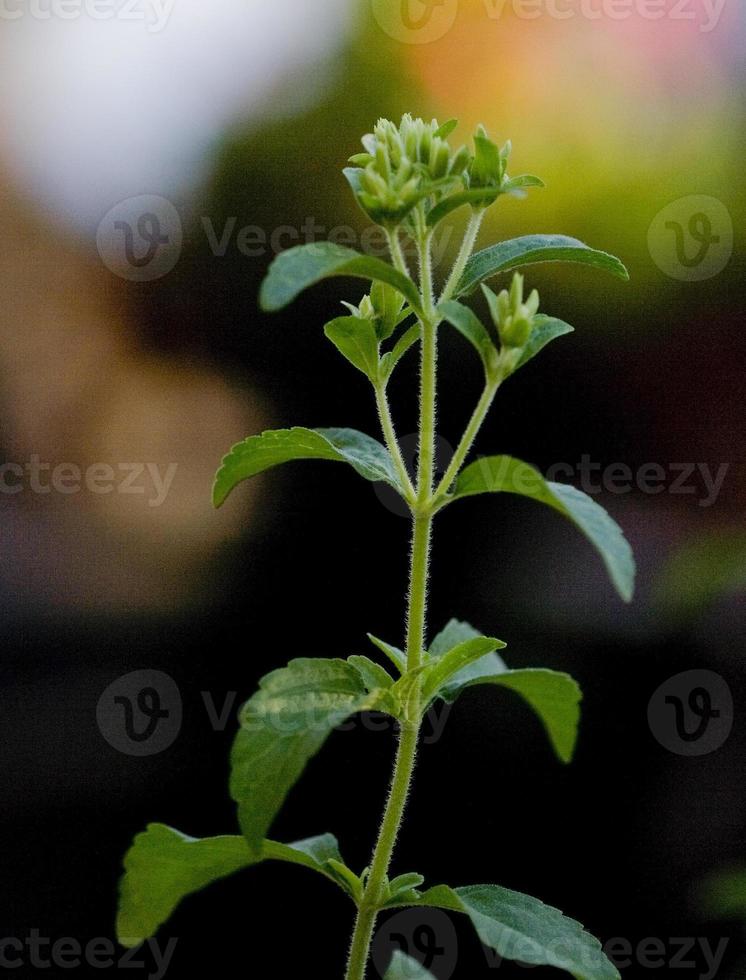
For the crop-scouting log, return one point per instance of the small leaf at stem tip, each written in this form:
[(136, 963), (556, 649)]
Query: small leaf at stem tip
[(258, 453), (504, 474), (530, 249), (478, 197), (302, 266), (163, 866), (524, 929), (403, 967)]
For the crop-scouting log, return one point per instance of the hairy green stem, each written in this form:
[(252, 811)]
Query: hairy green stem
[(467, 440), (397, 256), (467, 247), (392, 443), (406, 754)]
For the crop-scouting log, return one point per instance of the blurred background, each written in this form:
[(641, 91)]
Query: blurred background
[(153, 159)]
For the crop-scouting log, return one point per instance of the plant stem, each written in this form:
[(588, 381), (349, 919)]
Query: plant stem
[(467, 247), (467, 440), (392, 443), (416, 613), (397, 256)]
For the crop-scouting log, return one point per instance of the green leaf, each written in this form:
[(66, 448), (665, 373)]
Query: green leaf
[(356, 339), (387, 303), (554, 696), (400, 348), (504, 474), (545, 329), (163, 866), (403, 967), (519, 927), (455, 633), (397, 657), (470, 326), (259, 453), (445, 129), (304, 265), (533, 248), (373, 675), (283, 726), (447, 672), (523, 180), (477, 197)]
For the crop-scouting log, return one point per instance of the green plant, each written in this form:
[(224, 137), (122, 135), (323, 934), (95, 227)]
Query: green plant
[(407, 180)]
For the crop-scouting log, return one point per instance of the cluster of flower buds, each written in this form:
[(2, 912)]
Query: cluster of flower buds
[(403, 164), (513, 318)]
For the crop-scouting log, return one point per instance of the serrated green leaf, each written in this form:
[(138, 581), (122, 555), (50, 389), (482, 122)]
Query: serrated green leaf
[(259, 453), (283, 726), (403, 967), (391, 358), (373, 675), (357, 341), (470, 326), (163, 866), (521, 928), (451, 671), (397, 657), (533, 248), (302, 266), (545, 329), (504, 474)]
